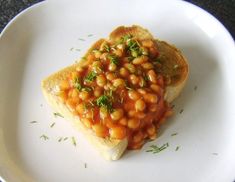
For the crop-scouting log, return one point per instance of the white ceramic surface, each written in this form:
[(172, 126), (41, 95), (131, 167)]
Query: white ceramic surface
[(38, 42)]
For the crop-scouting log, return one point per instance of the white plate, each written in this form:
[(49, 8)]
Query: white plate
[(38, 42)]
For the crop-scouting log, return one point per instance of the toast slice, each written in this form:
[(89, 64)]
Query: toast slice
[(174, 68)]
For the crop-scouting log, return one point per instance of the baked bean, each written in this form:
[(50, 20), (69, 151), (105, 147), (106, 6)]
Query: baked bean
[(132, 113), (140, 105), (98, 92), (97, 54), (112, 67), (156, 88), (121, 47), (80, 109), (153, 107), (97, 67), (118, 132), (117, 114), (104, 56), (147, 66), (148, 43), (130, 67), (100, 130), (151, 98), (140, 60), (63, 96), (71, 104), (111, 76), (124, 72), (64, 85), (153, 52), (73, 93), (123, 121), (103, 112), (133, 123), (118, 52), (119, 83), (144, 51), (134, 79), (84, 95), (137, 137), (101, 80), (168, 113), (90, 57), (142, 91), (142, 82), (133, 95), (87, 122), (79, 69), (152, 76), (140, 115), (151, 130)]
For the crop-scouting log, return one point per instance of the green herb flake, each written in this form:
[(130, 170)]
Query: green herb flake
[(78, 50), (74, 141), (33, 122), (113, 59), (155, 149), (195, 88), (81, 39), (85, 165), (44, 137), (52, 125), (181, 111), (60, 139), (214, 153), (177, 148), (65, 138), (56, 114), (107, 48), (104, 101), (174, 134), (71, 49), (172, 106), (89, 35), (90, 76)]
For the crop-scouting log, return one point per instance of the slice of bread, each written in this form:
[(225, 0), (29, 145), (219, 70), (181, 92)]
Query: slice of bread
[(174, 65)]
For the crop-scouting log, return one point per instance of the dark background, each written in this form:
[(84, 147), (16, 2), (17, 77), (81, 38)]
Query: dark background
[(223, 10)]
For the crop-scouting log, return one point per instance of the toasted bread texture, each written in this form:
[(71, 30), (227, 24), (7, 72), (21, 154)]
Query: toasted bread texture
[(112, 149)]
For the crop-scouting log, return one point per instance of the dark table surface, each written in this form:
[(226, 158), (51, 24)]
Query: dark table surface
[(223, 10)]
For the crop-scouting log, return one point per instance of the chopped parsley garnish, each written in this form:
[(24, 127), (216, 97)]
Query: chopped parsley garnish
[(85, 165), (105, 101), (181, 111), (90, 35), (65, 138), (88, 89), (174, 134), (107, 48), (215, 153), (195, 88), (81, 39), (60, 139), (74, 141), (44, 137), (90, 76), (113, 59), (57, 114), (52, 125), (77, 84), (32, 122), (155, 149), (177, 148)]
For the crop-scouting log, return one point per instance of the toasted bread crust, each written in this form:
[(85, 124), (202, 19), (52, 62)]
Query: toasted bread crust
[(109, 148)]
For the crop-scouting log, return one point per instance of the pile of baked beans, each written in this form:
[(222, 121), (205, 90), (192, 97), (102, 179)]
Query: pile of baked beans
[(119, 93)]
